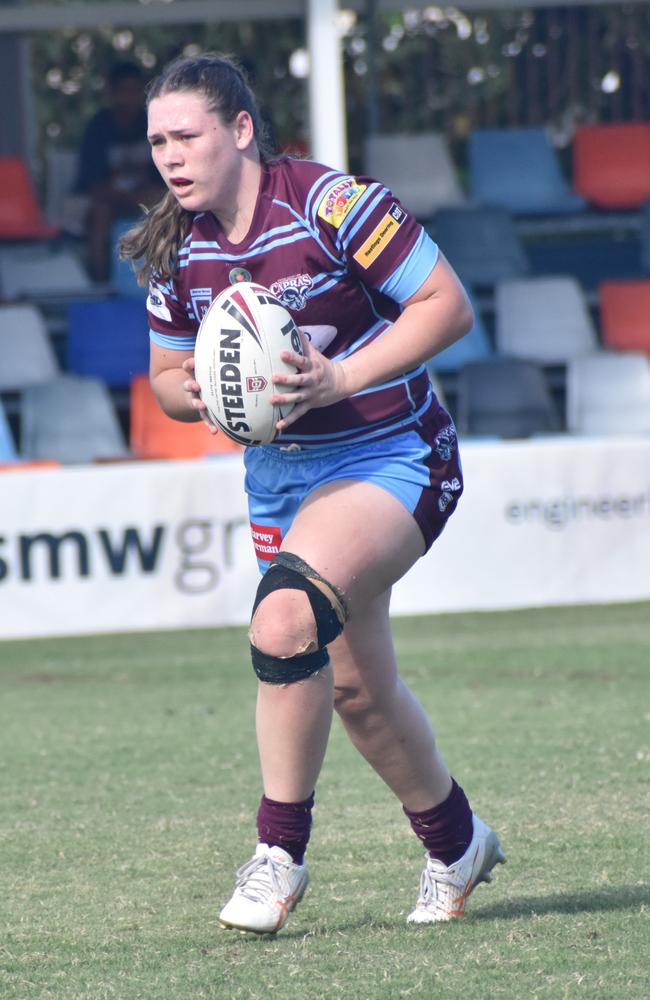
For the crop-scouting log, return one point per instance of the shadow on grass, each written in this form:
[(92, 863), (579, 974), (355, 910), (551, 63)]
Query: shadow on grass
[(623, 897)]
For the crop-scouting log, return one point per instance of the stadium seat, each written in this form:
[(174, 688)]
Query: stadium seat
[(482, 244), (608, 393), (63, 207), (474, 346), (504, 398), (20, 214), (122, 277), (543, 319), (625, 315), (518, 169), (153, 435), (109, 339), (70, 419), (417, 167), (611, 164), (8, 451), (42, 273), (26, 350)]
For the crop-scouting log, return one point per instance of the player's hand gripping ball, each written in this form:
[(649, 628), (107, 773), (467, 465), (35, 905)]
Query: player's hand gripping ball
[(237, 352)]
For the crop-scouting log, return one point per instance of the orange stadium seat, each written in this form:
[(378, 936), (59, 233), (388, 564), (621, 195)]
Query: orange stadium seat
[(611, 164), (153, 435), (625, 315), (20, 214)]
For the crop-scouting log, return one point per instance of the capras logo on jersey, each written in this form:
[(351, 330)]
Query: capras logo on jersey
[(339, 199), (292, 291), (201, 301)]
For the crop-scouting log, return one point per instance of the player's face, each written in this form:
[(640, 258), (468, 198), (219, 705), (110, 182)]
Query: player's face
[(199, 158)]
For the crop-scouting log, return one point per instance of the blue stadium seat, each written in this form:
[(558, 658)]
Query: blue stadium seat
[(518, 169), (122, 277), (8, 451), (108, 339), (474, 346), (481, 243)]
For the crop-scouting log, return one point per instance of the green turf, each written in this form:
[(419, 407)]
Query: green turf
[(129, 783)]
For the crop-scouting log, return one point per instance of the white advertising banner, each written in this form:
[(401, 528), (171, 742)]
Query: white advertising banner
[(160, 545)]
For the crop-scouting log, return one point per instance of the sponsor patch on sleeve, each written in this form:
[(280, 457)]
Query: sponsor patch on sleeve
[(381, 236), (266, 540), (156, 304), (339, 200)]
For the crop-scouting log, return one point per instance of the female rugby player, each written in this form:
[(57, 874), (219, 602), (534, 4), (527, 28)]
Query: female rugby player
[(359, 482)]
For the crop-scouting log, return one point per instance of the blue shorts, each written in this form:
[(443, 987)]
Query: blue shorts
[(420, 468)]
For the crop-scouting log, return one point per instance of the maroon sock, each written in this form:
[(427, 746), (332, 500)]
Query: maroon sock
[(286, 825), (446, 830)]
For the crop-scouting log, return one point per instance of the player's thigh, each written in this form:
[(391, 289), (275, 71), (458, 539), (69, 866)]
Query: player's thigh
[(358, 536)]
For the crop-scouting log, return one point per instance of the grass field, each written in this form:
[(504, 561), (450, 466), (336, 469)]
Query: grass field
[(129, 784)]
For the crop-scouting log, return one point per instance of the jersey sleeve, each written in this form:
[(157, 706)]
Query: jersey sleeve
[(169, 323), (384, 246)]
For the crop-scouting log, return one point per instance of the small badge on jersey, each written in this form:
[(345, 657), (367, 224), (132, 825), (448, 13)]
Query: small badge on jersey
[(239, 274), (267, 540), (339, 200), (201, 301), (381, 236), (156, 304), (292, 291)]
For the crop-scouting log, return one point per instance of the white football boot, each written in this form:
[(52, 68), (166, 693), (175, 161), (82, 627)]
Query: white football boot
[(444, 890), (269, 887)]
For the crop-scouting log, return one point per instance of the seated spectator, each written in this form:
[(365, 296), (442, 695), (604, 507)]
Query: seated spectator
[(115, 167)]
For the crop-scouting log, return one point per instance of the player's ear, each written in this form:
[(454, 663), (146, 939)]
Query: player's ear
[(244, 130)]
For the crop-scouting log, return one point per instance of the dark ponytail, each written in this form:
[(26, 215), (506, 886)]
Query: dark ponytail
[(153, 244)]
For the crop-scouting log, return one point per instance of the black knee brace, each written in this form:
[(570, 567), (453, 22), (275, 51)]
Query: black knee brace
[(330, 614)]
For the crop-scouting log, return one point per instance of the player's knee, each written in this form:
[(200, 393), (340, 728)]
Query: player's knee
[(295, 615), (283, 625)]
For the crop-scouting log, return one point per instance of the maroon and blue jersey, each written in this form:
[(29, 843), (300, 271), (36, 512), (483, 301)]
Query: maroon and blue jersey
[(341, 254)]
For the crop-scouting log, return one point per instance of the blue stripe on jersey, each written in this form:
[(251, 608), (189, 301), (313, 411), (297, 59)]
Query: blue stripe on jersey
[(372, 193), (165, 287), (175, 343), (353, 436), (314, 233), (324, 282), (360, 341), (287, 228), (203, 256), (369, 209), (413, 271)]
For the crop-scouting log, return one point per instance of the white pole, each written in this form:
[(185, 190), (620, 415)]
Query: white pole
[(326, 87)]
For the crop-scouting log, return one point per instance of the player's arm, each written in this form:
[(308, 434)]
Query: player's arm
[(171, 373), (435, 316)]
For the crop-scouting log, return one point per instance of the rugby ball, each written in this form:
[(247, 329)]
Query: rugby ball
[(237, 351)]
